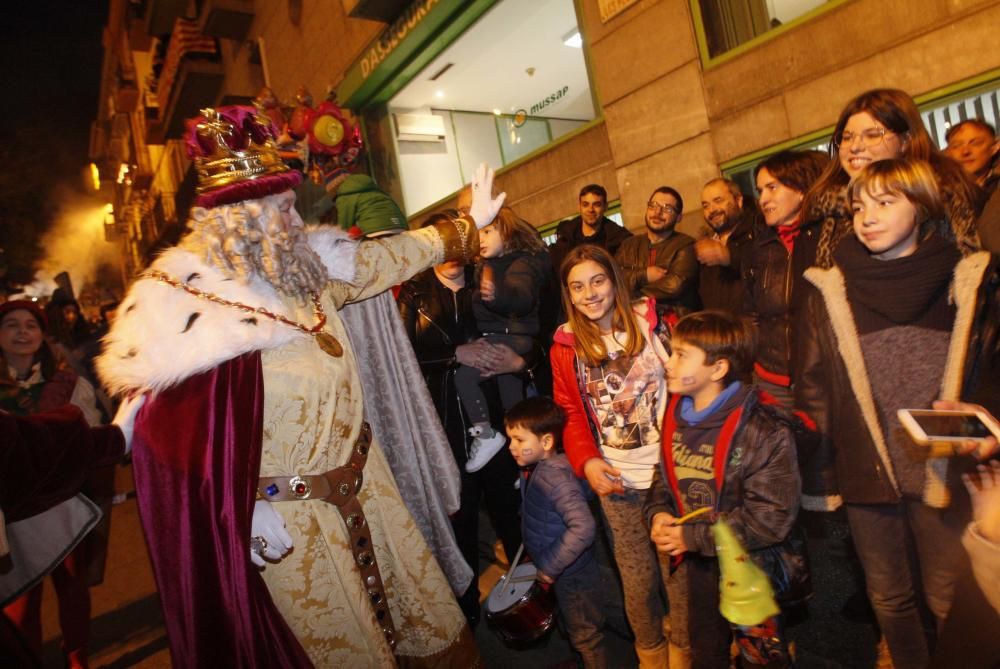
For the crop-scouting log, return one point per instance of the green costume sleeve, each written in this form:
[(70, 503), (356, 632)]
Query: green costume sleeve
[(360, 203)]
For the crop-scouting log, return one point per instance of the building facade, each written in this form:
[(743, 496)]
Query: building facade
[(629, 94)]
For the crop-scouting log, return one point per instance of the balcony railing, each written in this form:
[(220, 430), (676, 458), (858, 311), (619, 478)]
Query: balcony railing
[(191, 79), (229, 19)]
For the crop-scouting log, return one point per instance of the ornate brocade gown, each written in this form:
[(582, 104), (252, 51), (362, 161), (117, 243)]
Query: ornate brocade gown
[(312, 414)]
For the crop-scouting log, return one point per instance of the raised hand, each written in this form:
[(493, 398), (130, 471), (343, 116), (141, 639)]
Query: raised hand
[(484, 206)]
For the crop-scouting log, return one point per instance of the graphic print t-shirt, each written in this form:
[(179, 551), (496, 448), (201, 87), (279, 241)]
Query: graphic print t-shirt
[(627, 395), (694, 447)]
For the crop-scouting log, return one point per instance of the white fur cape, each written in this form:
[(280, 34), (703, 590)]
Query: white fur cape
[(163, 335)]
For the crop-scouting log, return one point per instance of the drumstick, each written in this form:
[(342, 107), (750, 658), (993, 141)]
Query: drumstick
[(513, 566), (690, 516)]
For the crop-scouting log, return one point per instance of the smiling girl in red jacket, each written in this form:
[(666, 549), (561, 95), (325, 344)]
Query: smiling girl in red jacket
[(607, 368)]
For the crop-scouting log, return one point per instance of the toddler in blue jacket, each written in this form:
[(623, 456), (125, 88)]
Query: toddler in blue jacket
[(556, 523)]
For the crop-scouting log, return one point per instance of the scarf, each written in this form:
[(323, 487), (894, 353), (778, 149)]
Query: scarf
[(788, 233), (905, 291)]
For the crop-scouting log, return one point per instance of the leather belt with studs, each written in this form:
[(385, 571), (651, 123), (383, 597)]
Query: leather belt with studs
[(340, 487)]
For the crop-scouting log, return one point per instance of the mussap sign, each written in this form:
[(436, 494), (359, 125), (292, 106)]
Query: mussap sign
[(549, 100)]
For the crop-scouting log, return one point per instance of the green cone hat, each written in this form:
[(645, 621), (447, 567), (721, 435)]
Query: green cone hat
[(745, 593)]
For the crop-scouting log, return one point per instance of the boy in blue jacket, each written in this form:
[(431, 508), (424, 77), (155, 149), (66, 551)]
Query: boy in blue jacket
[(556, 523)]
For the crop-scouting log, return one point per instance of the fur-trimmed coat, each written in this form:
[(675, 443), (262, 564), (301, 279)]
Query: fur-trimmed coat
[(235, 395), (833, 387)]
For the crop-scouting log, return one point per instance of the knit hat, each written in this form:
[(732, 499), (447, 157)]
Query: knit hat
[(27, 305)]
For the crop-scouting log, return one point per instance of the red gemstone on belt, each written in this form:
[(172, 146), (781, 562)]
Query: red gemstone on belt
[(300, 488)]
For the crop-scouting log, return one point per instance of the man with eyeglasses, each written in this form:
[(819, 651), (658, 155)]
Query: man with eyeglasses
[(973, 143), (720, 253), (590, 227), (661, 263)]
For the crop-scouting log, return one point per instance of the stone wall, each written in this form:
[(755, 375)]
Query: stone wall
[(667, 119), (672, 121)]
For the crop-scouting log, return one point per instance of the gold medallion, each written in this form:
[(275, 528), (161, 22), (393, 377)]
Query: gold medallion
[(329, 344)]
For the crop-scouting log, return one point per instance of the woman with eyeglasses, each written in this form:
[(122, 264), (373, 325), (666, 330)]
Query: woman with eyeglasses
[(877, 125)]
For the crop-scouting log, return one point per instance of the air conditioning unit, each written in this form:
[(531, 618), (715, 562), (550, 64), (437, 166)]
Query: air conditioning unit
[(419, 127)]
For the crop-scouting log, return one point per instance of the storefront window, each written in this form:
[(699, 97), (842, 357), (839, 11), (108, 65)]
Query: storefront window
[(513, 83), (730, 23)]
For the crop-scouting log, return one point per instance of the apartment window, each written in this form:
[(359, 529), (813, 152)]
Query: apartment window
[(729, 23)]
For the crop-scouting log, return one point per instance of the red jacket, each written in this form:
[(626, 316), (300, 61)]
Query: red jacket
[(580, 440)]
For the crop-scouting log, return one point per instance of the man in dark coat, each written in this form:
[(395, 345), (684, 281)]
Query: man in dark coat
[(590, 227), (721, 253)]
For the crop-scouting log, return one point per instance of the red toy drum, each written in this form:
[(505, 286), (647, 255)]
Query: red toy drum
[(519, 609)]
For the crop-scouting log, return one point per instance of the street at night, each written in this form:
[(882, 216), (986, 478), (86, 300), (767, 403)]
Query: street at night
[(655, 334)]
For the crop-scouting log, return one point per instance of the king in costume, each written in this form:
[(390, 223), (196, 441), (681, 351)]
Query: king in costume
[(254, 392)]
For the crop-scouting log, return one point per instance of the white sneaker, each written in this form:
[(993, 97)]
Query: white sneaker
[(482, 451)]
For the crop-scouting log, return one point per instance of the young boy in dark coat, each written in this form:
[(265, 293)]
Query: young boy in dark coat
[(724, 450), (556, 523)]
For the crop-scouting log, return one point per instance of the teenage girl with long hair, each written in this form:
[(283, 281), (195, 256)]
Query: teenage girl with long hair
[(607, 372)]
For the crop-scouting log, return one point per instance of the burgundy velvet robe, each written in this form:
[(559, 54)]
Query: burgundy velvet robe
[(196, 460)]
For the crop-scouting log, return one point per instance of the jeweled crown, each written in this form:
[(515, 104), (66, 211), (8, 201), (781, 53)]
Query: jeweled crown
[(230, 145)]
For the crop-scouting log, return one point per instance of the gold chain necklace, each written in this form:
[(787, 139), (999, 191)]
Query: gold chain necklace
[(324, 340)]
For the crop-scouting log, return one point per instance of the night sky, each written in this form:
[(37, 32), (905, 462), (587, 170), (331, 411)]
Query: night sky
[(50, 70)]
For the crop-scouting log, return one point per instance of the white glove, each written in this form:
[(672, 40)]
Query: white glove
[(125, 417), (484, 206), (268, 536)]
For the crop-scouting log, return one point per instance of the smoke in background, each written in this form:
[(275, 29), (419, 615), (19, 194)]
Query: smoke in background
[(74, 244)]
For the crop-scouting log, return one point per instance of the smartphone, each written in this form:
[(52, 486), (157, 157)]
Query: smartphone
[(943, 431)]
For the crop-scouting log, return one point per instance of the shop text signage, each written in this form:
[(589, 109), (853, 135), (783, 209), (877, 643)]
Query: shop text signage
[(549, 100), (392, 36), (612, 8)]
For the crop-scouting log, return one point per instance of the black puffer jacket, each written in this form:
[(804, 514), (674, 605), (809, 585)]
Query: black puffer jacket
[(519, 277)]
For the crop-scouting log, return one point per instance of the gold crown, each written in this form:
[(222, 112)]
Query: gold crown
[(232, 144)]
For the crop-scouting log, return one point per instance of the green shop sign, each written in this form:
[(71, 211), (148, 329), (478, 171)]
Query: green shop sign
[(404, 48)]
